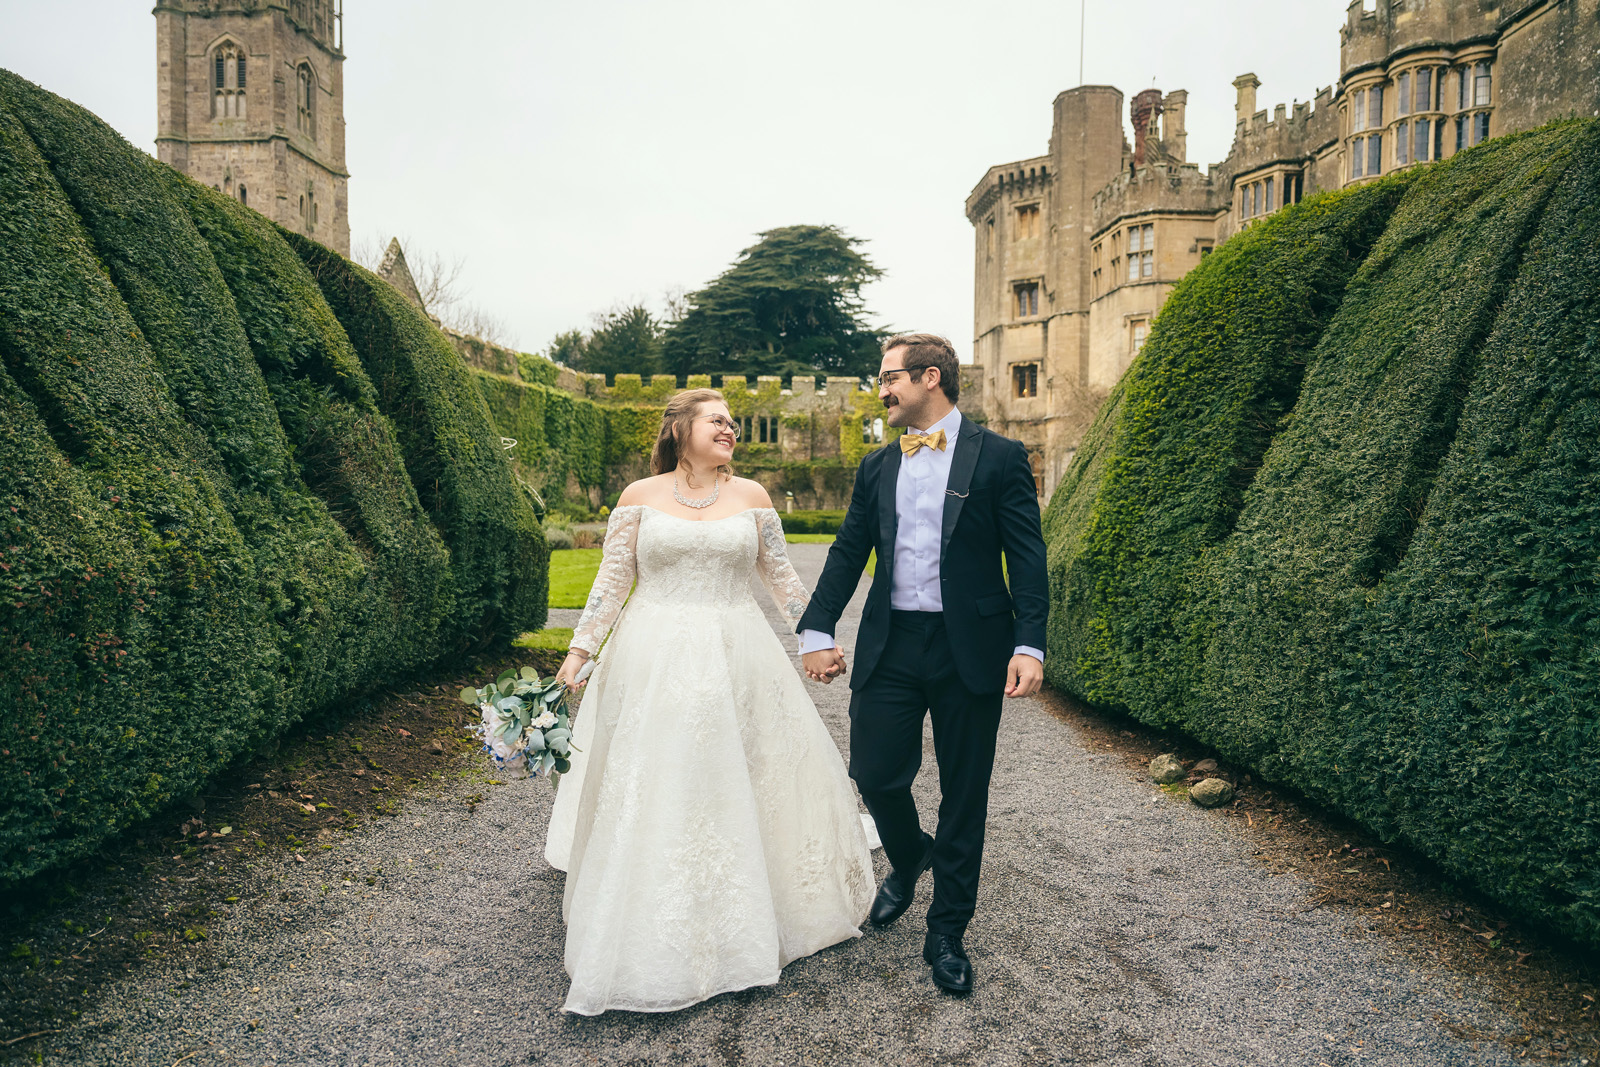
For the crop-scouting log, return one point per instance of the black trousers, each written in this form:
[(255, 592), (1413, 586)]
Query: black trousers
[(917, 675)]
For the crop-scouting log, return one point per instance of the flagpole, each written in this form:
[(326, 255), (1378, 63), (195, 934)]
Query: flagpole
[(1083, 21)]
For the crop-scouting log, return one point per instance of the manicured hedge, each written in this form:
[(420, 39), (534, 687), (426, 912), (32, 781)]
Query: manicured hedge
[(207, 526), (453, 454), (1375, 577), (810, 522), (1192, 418)]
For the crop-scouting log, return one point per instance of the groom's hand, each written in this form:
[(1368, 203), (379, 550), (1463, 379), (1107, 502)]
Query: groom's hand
[(823, 665), (1024, 676)]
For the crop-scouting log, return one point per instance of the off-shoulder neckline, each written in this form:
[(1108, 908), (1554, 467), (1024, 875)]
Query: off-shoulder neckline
[(684, 518)]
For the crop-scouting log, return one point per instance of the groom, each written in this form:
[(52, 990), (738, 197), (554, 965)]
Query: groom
[(940, 633)]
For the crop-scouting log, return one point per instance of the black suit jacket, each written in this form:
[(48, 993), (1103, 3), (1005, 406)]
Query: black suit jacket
[(989, 508)]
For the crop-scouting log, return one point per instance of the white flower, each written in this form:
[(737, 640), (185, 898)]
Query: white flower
[(546, 720)]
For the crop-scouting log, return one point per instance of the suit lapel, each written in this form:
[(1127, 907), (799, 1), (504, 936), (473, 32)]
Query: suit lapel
[(888, 483), (962, 464)]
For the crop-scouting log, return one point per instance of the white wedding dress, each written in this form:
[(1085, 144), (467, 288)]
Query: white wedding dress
[(708, 829)]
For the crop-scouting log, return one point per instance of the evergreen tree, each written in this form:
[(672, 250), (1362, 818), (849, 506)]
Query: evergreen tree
[(791, 304), (567, 349), (625, 340)]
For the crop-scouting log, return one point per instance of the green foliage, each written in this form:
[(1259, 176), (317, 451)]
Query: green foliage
[(631, 432), (791, 304), (456, 463), (624, 340), (565, 443), (537, 369), (207, 527), (811, 522), (1341, 519), (866, 409), (567, 348), (1193, 417)]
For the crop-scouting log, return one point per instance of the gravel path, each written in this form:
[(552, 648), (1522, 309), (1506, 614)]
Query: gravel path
[(1115, 926)]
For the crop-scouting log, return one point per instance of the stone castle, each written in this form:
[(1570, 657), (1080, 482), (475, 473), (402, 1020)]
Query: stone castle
[(250, 100), (1077, 249)]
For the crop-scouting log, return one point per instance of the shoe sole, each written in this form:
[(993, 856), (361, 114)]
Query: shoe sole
[(957, 990)]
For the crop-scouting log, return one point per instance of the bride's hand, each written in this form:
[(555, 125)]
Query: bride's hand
[(570, 668)]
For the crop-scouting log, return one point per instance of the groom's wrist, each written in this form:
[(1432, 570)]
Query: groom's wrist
[(815, 641)]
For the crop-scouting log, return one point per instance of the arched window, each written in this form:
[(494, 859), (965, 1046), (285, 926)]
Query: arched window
[(244, 196), (306, 100), (228, 80)]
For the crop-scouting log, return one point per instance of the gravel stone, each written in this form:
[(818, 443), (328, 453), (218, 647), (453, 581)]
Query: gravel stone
[(1211, 792), (453, 956), (1166, 769)]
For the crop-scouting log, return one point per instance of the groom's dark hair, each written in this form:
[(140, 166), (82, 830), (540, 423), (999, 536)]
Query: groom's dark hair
[(924, 350)]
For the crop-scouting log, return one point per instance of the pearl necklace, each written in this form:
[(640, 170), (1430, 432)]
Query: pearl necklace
[(706, 502)]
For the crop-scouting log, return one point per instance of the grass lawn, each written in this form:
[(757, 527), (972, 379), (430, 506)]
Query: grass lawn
[(556, 637), (572, 570)]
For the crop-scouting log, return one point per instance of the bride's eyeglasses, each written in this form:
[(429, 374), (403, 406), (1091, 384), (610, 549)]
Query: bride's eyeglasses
[(723, 424)]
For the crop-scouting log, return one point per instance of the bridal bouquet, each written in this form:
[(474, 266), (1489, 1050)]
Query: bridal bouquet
[(527, 724)]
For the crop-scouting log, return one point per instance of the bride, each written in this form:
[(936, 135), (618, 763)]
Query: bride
[(707, 827)]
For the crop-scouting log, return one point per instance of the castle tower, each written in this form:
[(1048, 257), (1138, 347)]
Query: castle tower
[(250, 101)]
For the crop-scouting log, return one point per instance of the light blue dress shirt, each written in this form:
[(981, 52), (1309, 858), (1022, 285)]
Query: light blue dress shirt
[(919, 512)]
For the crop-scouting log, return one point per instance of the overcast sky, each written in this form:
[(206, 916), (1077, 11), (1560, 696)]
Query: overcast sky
[(578, 155)]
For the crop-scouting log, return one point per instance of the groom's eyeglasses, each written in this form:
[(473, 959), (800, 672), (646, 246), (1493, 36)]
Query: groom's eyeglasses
[(888, 377), (723, 423)]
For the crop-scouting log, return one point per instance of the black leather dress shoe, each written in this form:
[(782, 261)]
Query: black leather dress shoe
[(898, 890), (952, 971)]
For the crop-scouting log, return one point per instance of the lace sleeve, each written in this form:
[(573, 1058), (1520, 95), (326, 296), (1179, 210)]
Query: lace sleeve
[(777, 573), (612, 584)]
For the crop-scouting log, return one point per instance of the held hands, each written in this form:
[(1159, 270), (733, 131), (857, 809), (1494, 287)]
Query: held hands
[(824, 665), (570, 668), (1024, 676)]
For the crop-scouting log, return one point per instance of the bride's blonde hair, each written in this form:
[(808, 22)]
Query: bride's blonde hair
[(676, 422)]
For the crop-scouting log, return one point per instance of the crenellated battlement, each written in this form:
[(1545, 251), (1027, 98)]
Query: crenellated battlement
[(1026, 177), (1166, 187)]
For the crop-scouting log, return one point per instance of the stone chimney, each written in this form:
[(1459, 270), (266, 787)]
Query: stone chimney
[(1145, 110), (1246, 84), (1173, 134)]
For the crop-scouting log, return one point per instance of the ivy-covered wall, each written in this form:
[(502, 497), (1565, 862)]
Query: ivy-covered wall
[(580, 443), (1341, 519), (209, 516)]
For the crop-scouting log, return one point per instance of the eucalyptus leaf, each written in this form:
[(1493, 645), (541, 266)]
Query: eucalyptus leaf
[(562, 765), (530, 674), (556, 735), (535, 741), (469, 696)]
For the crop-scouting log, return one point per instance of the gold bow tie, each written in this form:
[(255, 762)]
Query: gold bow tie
[(910, 442)]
